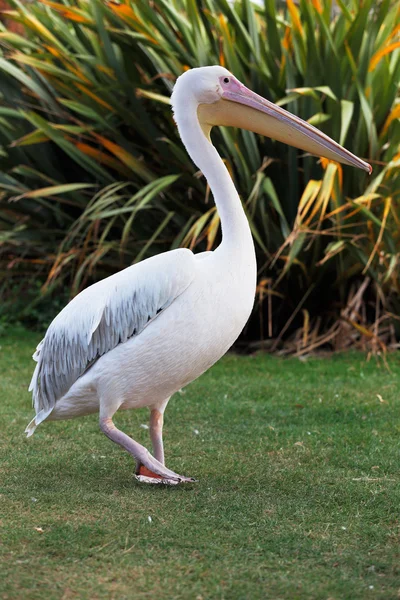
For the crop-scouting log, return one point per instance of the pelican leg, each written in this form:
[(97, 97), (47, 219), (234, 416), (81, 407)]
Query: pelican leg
[(146, 464), (156, 430)]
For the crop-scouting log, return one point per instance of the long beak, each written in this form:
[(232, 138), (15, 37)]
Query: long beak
[(240, 107)]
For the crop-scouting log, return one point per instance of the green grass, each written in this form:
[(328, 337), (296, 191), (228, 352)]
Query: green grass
[(298, 493)]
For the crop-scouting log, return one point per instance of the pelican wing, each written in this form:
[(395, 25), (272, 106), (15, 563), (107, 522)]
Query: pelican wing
[(104, 315)]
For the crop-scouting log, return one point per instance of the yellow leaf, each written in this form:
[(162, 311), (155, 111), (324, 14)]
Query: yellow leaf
[(212, 230), (325, 193), (34, 137), (394, 114), (152, 96), (360, 200), (325, 162), (362, 329), (388, 204), (366, 199), (307, 199), (34, 23), (192, 236), (223, 23)]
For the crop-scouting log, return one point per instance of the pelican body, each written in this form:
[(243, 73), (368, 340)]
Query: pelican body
[(138, 336)]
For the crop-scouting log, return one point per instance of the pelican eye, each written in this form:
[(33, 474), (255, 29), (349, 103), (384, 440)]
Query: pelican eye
[(226, 79)]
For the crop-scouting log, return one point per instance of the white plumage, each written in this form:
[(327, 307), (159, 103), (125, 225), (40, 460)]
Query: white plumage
[(140, 335), (100, 318)]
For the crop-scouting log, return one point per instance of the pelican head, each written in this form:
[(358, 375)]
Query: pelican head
[(221, 99)]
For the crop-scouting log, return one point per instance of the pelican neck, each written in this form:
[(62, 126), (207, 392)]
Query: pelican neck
[(234, 224)]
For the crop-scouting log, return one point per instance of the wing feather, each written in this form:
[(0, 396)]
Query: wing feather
[(104, 315)]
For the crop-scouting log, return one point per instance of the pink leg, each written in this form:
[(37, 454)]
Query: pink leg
[(156, 429), (140, 453)]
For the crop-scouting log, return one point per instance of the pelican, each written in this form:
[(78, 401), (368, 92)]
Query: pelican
[(140, 335)]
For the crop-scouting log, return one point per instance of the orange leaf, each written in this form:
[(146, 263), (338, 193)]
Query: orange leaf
[(123, 10), (287, 38), (126, 13), (295, 16), (223, 23), (101, 157), (126, 157), (317, 6), (221, 56), (92, 95), (77, 72), (53, 51), (73, 14), (107, 70), (381, 53)]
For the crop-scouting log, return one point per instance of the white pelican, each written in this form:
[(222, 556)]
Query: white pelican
[(138, 336)]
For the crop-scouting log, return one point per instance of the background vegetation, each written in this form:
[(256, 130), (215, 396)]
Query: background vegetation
[(94, 176)]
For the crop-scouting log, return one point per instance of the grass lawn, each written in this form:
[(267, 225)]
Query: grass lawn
[(298, 493)]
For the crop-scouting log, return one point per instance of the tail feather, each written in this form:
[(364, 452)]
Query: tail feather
[(30, 430), (39, 418), (42, 413)]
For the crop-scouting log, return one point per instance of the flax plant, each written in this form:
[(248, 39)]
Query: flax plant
[(95, 178)]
